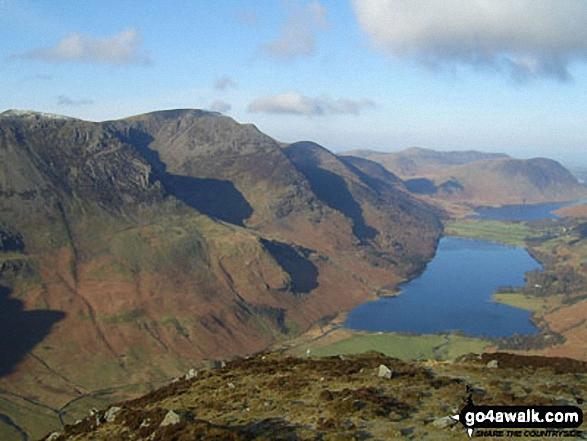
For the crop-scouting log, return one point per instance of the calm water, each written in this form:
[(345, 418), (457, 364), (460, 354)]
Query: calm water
[(521, 212), (454, 293)]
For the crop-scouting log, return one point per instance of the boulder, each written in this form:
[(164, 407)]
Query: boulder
[(444, 422), (54, 436), (170, 418), (111, 413), (384, 371), (192, 373)]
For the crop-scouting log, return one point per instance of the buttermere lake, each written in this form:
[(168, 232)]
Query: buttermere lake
[(454, 292)]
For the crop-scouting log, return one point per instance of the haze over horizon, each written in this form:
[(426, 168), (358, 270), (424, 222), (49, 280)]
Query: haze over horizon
[(491, 75)]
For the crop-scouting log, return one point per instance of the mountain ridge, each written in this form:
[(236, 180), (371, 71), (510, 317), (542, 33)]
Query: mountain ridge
[(168, 238)]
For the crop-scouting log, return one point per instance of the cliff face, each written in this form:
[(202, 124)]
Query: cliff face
[(133, 249)]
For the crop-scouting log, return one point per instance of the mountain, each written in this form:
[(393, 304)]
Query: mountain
[(375, 200), (134, 249), (480, 178), (510, 181)]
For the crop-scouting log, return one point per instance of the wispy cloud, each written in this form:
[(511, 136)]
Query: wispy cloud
[(525, 38), (297, 34), (248, 17), (117, 49), (294, 103), (64, 100), (224, 83), (220, 106)]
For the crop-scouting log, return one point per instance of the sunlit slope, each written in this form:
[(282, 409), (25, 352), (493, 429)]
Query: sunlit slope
[(480, 178)]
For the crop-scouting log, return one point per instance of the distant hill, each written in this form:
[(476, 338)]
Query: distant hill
[(132, 249), (511, 181), (417, 161), (480, 178)]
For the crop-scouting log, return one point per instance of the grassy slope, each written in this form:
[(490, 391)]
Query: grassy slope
[(522, 301), (402, 346)]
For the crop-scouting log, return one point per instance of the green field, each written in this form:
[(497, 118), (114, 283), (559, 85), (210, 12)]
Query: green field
[(519, 300), (508, 233), (402, 346)]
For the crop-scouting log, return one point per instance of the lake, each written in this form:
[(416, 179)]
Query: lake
[(454, 293), (521, 212)]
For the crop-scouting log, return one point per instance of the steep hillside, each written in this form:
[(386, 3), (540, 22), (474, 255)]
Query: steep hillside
[(480, 178), (373, 198), (133, 249)]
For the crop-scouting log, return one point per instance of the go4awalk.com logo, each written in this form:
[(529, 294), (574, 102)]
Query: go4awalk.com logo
[(520, 421)]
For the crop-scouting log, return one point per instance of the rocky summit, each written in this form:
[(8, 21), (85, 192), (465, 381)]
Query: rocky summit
[(271, 396)]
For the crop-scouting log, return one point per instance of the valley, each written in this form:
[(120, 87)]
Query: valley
[(551, 293), (135, 250)]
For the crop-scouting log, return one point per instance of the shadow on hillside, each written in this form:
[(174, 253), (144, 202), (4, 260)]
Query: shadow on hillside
[(21, 331), (421, 186), (214, 197), (333, 190), (375, 175), (302, 272)]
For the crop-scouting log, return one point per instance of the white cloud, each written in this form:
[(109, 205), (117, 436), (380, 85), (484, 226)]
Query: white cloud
[(117, 49), (295, 103), (526, 38), (64, 100), (224, 83), (220, 106), (297, 33)]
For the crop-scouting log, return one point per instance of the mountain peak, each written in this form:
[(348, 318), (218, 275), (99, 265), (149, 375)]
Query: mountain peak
[(173, 114), (32, 114)]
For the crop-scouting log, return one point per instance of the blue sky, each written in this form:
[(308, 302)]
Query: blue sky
[(493, 75)]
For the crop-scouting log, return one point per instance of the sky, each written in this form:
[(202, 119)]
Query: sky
[(492, 75)]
